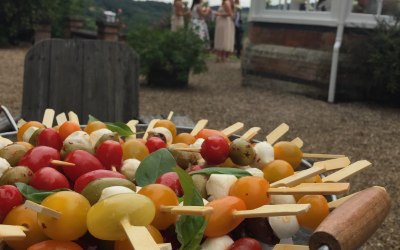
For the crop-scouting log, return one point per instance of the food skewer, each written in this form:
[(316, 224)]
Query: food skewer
[(139, 236), (171, 113), (132, 125), (12, 232), (298, 142), (290, 247), (250, 134), (312, 188), (277, 133), (62, 163), (151, 125), (347, 172), (48, 118), (199, 126), (334, 164), (42, 209), (61, 118), (73, 117), (322, 156), (232, 129), (20, 123)]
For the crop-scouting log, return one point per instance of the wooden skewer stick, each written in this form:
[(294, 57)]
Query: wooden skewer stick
[(62, 163), (232, 129), (290, 247), (171, 113), (73, 117), (277, 133), (194, 150), (272, 210), (313, 188), (20, 123), (199, 126), (298, 142), (347, 172), (251, 133), (333, 164), (150, 127), (187, 210), (336, 203), (48, 118), (322, 156), (61, 118), (132, 125), (297, 178), (42, 209), (12, 232), (139, 236)]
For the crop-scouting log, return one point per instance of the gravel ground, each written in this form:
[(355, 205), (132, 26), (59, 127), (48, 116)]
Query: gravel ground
[(358, 130)]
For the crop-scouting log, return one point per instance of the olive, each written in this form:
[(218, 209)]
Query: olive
[(13, 153), (199, 181), (241, 152), (182, 158), (77, 140), (16, 174)]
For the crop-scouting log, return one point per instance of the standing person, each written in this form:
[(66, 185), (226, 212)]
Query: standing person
[(238, 28), (224, 37), (199, 11), (178, 14)]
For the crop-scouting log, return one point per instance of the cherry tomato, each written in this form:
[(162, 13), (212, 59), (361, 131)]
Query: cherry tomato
[(168, 125), (252, 190), (135, 149), (85, 179), (84, 163), (93, 126), (55, 245), (72, 223), (205, 133), (48, 179), (68, 128), (39, 157), (288, 151), (316, 214), (277, 170), (9, 198), (184, 138), (215, 150), (161, 195), (221, 221), (49, 137), (245, 244), (171, 180), (110, 154), (155, 143), (25, 127)]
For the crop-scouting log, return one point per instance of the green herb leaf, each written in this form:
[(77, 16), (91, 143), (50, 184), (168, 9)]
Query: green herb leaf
[(92, 119), (218, 170), (153, 166), (190, 229), (121, 128), (36, 195)]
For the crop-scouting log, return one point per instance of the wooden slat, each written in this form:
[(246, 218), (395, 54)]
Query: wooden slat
[(199, 126), (297, 178), (139, 236), (48, 118), (313, 188), (251, 133), (232, 129), (11, 232), (273, 210), (298, 142), (333, 164), (277, 133), (347, 172), (290, 247)]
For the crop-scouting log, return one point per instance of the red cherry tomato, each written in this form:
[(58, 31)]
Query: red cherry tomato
[(39, 157), (48, 179), (171, 179), (9, 198), (85, 179), (84, 163), (215, 149), (245, 244), (155, 143), (110, 154), (49, 137)]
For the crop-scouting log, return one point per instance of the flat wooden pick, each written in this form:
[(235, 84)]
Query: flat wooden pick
[(150, 127), (251, 133), (347, 172), (20, 123), (277, 133), (188, 210), (171, 113), (12, 232), (195, 150), (299, 177), (42, 209), (232, 129), (73, 117), (333, 164), (199, 126), (139, 236), (290, 247), (48, 118), (322, 156), (313, 188), (298, 142), (61, 118), (62, 163), (273, 210), (132, 125), (165, 246), (336, 203)]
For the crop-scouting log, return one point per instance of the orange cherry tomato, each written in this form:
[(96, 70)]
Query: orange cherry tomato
[(205, 132), (288, 151), (93, 126), (55, 245), (27, 125), (252, 190), (168, 125), (184, 138), (161, 195), (316, 214), (277, 170), (134, 149), (23, 216), (126, 245), (68, 128), (221, 220)]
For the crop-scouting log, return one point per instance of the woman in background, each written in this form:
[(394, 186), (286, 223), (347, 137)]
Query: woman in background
[(224, 38), (199, 11), (178, 14)]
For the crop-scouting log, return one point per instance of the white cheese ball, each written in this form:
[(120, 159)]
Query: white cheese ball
[(28, 134), (254, 171), (4, 142), (218, 185), (96, 135), (284, 226), (129, 168), (4, 165), (264, 153), (282, 199), (110, 191), (217, 243)]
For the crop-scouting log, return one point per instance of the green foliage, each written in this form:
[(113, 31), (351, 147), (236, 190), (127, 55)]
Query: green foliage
[(163, 50)]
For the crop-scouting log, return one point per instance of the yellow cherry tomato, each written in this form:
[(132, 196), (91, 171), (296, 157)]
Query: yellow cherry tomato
[(56, 245), (316, 214), (288, 151), (93, 126), (277, 170), (134, 149)]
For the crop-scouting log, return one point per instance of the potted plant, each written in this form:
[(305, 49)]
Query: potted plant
[(167, 58)]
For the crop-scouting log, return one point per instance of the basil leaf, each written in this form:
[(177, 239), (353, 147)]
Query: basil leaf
[(34, 194), (121, 128), (190, 229), (92, 119), (218, 170), (154, 165)]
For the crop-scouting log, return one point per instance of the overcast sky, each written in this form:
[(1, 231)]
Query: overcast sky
[(243, 3)]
